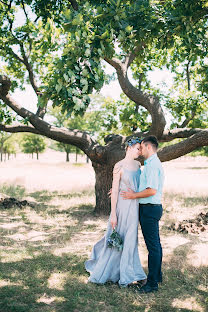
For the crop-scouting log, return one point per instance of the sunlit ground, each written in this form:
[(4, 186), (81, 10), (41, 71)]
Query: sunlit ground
[(43, 248)]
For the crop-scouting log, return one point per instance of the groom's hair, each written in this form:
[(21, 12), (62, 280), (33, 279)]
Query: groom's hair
[(151, 139)]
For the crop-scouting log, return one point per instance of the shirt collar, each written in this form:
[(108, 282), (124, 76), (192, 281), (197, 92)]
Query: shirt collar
[(150, 158)]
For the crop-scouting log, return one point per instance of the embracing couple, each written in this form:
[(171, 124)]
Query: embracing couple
[(135, 197)]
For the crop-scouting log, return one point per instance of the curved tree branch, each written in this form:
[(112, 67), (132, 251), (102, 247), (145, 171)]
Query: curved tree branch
[(18, 128), (30, 70), (23, 6), (116, 63), (131, 56), (41, 111), (25, 60), (174, 151), (8, 5), (5, 85), (178, 133), (151, 103), (16, 56), (187, 120), (78, 138), (3, 2)]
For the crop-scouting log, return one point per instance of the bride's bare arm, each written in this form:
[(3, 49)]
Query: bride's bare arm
[(114, 193)]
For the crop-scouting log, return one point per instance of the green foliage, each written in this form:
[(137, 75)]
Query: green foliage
[(188, 104), (201, 151), (10, 147), (7, 144), (33, 143), (65, 48), (91, 121), (6, 116), (64, 147)]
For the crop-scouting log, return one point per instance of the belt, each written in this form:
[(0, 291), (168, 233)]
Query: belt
[(150, 204)]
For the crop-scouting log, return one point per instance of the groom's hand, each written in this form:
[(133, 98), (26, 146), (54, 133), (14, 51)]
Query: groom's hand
[(128, 195)]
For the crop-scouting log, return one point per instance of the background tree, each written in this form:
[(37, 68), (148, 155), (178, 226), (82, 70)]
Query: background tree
[(10, 147), (33, 144), (63, 46), (66, 148), (3, 138)]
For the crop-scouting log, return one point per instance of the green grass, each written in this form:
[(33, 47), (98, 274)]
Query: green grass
[(13, 191), (43, 250)]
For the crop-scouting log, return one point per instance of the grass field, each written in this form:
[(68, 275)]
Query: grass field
[(43, 248)]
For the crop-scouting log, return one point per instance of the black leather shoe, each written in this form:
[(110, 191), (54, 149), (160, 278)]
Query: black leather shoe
[(147, 289)]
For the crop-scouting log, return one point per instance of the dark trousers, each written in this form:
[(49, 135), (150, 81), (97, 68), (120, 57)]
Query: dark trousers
[(149, 216)]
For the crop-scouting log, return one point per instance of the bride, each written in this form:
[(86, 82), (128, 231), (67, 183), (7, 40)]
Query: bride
[(108, 264)]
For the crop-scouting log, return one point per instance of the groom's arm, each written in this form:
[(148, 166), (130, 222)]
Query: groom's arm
[(134, 195)]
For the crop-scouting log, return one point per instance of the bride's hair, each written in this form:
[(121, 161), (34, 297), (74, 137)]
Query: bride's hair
[(132, 141)]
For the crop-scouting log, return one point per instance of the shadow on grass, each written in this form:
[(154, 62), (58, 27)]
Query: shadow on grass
[(32, 286), (182, 282), (35, 279), (43, 196), (46, 196)]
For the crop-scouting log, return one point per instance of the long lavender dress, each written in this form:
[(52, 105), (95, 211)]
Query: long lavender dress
[(124, 266)]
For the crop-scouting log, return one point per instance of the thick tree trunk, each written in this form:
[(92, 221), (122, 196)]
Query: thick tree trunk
[(103, 183), (37, 155)]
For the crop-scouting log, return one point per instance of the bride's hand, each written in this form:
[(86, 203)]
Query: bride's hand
[(110, 193), (113, 221)]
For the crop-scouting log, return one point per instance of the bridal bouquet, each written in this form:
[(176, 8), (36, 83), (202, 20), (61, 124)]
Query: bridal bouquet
[(115, 240)]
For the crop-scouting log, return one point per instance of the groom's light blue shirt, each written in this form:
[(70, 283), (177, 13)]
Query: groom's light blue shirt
[(152, 176)]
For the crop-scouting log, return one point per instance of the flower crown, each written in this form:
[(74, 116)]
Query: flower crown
[(133, 141)]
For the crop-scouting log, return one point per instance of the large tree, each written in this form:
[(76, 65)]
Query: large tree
[(60, 47)]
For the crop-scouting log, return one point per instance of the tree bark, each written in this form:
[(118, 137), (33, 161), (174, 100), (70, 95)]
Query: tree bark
[(182, 148), (103, 183)]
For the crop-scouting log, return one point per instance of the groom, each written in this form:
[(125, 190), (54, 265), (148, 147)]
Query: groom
[(150, 210)]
